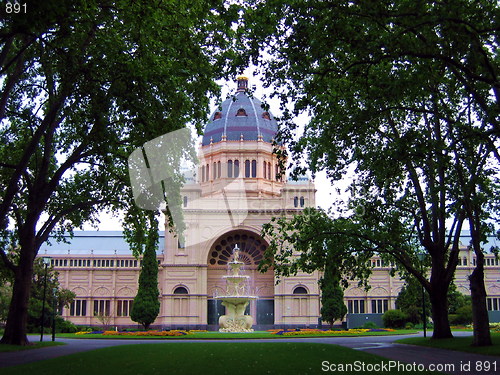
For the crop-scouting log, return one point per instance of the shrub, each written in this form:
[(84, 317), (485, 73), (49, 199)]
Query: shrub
[(409, 325), (464, 315), (65, 326), (369, 325), (394, 319)]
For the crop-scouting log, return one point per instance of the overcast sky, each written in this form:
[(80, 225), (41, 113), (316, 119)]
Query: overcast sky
[(326, 193)]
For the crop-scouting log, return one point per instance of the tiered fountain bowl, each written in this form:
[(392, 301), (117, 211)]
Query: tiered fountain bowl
[(236, 299)]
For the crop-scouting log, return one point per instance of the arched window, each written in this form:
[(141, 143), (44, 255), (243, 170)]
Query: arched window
[(300, 290), (180, 290), (300, 306), (181, 302), (236, 168), (214, 172), (302, 201), (247, 168), (296, 202), (218, 169), (241, 112), (264, 164), (208, 173), (254, 168), (269, 170), (229, 168), (203, 173), (185, 200)]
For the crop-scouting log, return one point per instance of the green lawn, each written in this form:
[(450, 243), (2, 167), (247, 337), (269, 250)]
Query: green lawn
[(462, 344), (225, 336), (33, 345), (207, 358)]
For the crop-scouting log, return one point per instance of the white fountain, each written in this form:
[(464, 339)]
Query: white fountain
[(236, 299)]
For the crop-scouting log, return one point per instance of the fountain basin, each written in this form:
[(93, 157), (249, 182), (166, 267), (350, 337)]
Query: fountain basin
[(236, 300)]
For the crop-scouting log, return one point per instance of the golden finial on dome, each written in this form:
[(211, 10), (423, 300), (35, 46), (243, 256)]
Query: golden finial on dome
[(242, 83)]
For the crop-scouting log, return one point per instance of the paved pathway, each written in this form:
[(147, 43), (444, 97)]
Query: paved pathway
[(396, 354)]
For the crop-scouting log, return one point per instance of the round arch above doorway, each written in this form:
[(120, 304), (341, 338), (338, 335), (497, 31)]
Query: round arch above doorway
[(251, 245), (252, 248)]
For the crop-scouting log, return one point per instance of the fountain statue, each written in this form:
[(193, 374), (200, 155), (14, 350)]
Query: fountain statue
[(235, 299)]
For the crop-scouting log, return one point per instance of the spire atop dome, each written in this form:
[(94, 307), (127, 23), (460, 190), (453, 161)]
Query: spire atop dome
[(242, 83)]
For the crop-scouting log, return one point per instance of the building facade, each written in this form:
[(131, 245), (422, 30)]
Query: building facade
[(238, 186)]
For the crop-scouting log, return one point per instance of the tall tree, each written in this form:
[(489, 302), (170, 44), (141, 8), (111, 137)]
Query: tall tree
[(146, 304), (83, 84), (404, 92), (332, 295)]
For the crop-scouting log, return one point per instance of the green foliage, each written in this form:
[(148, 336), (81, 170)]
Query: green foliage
[(410, 301), (146, 304), (369, 325), (83, 84), (462, 316), (5, 297), (332, 295), (65, 326), (394, 319), (63, 297), (405, 94)]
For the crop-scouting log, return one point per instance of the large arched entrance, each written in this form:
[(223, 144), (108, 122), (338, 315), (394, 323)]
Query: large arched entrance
[(252, 248)]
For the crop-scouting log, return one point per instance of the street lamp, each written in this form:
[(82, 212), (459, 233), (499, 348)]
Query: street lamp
[(46, 262), (421, 257), (54, 312)]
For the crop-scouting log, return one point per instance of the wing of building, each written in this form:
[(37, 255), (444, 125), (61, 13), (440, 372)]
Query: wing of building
[(237, 187)]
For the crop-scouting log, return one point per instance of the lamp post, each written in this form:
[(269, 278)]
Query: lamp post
[(421, 257), (54, 313), (46, 262)]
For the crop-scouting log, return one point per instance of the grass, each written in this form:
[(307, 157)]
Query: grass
[(462, 344), (33, 345), (225, 336), (204, 358)]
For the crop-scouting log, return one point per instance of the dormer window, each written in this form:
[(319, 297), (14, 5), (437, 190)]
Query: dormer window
[(217, 116), (241, 112), (266, 116)]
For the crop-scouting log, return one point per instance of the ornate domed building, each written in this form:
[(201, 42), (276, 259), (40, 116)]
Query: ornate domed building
[(239, 188)]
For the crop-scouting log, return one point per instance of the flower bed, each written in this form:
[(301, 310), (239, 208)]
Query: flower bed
[(139, 333), (311, 331)]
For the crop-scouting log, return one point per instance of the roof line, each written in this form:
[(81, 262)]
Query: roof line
[(227, 115), (256, 118)]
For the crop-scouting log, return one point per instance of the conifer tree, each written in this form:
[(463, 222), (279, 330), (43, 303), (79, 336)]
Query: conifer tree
[(332, 295), (146, 305)]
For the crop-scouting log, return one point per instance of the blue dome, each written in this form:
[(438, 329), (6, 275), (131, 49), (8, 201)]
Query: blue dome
[(240, 115)]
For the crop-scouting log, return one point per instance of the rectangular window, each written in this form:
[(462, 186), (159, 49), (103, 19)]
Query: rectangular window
[(123, 307), (102, 307), (380, 306), (230, 168), (490, 304), (247, 168), (356, 306), (78, 308), (236, 168)]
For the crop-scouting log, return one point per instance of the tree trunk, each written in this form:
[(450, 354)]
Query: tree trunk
[(16, 327), (439, 302), (480, 317)]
